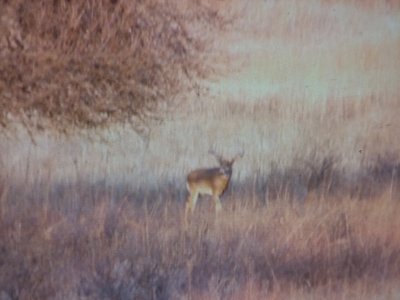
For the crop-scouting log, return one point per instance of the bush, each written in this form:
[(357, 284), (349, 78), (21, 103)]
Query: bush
[(94, 63)]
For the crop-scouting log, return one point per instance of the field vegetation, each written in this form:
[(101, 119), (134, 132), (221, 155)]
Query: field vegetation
[(312, 211)]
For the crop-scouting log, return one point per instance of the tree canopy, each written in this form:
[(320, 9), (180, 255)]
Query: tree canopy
[(83, 64)]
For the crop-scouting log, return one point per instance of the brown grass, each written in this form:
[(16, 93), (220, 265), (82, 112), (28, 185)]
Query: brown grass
[(69, 243), (312, 210)]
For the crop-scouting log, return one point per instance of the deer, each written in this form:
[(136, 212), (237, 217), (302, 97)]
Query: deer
[(210, 181)]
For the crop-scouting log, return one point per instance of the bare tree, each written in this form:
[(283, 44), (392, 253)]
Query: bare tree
[(84, 64)]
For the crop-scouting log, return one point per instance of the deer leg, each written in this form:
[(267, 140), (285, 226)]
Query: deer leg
[(191, 202), (218, 206)]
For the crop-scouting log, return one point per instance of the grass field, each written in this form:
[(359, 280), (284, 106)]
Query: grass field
[(88, 242), (312, 98)]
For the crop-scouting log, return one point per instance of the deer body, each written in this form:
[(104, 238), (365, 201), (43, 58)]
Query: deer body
[(212, 181)]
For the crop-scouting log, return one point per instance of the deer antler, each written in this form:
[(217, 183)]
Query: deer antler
[(239, 154), (212, 152)]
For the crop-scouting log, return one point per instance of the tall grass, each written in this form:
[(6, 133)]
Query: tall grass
[(90, 243), (312, 209)]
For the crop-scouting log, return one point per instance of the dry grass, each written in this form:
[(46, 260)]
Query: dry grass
[(312, 210), (91, 243)]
